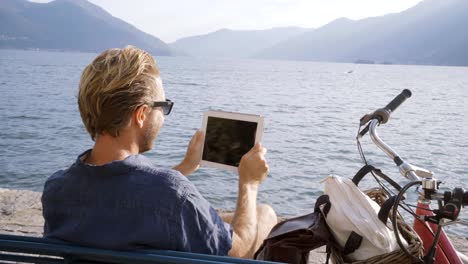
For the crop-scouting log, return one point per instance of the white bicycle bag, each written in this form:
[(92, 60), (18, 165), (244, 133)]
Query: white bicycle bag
[(354, 214)]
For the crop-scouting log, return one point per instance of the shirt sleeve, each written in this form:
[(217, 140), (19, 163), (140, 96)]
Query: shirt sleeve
[(202, 230)]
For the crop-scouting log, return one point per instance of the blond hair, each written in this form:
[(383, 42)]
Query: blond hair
[(116, 83)]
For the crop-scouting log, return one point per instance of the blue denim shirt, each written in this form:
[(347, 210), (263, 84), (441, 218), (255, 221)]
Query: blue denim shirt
[(131, 204)]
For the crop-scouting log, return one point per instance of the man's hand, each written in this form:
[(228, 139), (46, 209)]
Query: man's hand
[(192, 158), (253, 167)]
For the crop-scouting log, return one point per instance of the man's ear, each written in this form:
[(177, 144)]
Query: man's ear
[(140, 115)]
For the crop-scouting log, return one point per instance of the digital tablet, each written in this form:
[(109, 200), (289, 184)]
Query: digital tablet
[(228, 136)]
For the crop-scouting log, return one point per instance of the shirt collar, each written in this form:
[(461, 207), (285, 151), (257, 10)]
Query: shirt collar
[(115, 167)]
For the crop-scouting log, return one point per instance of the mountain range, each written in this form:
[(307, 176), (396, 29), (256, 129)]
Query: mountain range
[(75, 25), (432, 32), (226, 43)]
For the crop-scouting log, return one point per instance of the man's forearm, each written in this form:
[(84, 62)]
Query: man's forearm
[(244, 222), (182, 169)]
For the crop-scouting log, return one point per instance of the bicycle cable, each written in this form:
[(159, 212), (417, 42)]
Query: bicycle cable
[(419, 207), (386, 190), (395, 215), (360, 150)]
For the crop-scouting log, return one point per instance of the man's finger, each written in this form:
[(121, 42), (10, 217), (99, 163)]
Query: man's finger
[(200, 134), (256, 148), (197, 137)]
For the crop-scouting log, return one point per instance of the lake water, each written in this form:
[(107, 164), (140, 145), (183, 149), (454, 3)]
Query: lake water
[(311, 111)]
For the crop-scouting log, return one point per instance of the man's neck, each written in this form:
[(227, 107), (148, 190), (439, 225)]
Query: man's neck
[(107, 149)]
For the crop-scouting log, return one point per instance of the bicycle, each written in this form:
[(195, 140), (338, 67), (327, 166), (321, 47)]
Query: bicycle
[(428, 223)]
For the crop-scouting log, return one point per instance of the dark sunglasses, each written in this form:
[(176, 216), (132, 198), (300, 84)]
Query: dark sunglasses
[(165, 105)]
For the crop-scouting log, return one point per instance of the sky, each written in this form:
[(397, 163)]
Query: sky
[(170, 20)]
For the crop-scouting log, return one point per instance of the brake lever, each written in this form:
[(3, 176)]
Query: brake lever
[(458, 221), (365, 119), (363, 132)]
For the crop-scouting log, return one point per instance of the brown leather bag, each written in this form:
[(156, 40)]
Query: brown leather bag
[(291, 241)]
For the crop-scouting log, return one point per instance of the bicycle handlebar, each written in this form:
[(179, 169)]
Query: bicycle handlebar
[(406, 169), (465, 199), (383, 114), (450, 202), (459, 194), (398, 100)]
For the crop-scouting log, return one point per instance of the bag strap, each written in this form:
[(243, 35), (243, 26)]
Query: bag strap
[(368, 168), (352, 243), (384, 211), (354, 240), (323, 199)]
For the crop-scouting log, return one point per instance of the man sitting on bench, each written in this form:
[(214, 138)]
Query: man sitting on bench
[(113, 197)]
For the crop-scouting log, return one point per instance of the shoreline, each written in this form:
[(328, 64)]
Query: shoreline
[(21, 214)]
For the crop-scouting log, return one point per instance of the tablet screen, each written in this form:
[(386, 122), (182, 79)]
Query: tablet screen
[(227, 140)]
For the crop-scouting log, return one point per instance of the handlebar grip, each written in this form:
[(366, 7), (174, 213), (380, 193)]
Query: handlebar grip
[(465, 198), (383, 114), (398, 100)]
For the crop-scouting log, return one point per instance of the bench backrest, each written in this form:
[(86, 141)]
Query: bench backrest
[(41, 250)]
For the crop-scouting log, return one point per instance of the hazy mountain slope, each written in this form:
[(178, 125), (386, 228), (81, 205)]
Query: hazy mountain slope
[(234, 43), (432, 32), (69, 25)]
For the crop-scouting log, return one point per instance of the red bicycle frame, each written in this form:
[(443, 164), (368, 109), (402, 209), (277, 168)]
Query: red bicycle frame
[(445, 252)]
